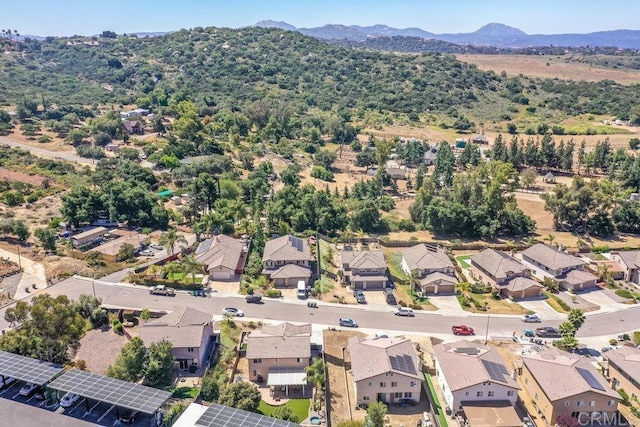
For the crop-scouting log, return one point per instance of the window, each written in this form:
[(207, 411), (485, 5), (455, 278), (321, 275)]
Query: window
[(394, 384), (414, 383), (299, 359), (580, 403), (257, 360), (383, 384), (611, 403), (510, 393), (479, 394), (190, 349), (567, 403), (370, 383), (408, 394), (365, 397), (526, 381), (592, 403), (466, 393), (536, 397), (397, 395), (491, 393)]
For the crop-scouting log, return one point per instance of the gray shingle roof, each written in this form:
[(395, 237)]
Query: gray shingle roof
[(363, 259), (521, 283), (626, 359), (556, 373), (422, 257), (287, 248), (220, 251), (462, 364), (280, 341), (183, 328), (497, 264), (371, 357), (551, 258), (576, 277), (437, 276), (630, 258), (290, 271)]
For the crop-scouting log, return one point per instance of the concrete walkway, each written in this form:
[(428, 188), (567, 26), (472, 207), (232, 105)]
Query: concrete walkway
[(32, 273)]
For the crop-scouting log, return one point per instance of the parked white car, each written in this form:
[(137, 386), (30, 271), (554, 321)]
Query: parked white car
[(69, 399)]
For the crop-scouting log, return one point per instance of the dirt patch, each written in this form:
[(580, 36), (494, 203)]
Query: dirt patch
[(99, 348), (548, 66), (57, 144), (334, 342), (37, 214), (533, 206), (9, 175)]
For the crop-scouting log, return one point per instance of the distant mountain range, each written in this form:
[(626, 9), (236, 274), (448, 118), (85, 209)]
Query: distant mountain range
[(497, 35)]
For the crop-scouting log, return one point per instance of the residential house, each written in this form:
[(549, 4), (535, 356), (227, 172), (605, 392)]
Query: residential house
[(88, 237), (364, 270), (134, 113), (469, 373), (133, 127), (223, 257), (114, 148), (190, 331), (384, 370), (562, 383), (431, 154), (630, 262), (432, 267), (395, 170), (567, 270), (480, 139), (286, 260), (504, 273), (622, 369), (279, 354)]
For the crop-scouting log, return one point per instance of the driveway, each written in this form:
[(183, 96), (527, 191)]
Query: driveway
[(541, 308), (600, 298), (447, 305)]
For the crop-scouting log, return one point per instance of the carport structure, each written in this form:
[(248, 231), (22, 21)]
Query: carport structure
[(27, 369), (225, 416), (121, 394)]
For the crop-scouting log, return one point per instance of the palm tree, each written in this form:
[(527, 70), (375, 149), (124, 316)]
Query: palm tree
[(190, 266), (348, 235), (414, 279), (603, 272), (315, 374), (576, 318), (569, 342), (550, 238), (170, 238), (464, 288), (567, 329)]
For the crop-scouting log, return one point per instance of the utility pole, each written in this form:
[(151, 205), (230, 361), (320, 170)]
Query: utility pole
[(486, 335)]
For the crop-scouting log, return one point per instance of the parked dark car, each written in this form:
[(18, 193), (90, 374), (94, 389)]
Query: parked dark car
[(255, 299), (547, 332), (128, 416)]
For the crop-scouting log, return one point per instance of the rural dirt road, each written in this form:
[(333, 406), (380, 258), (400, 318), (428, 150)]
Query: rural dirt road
[(32, 273), (40, 152)]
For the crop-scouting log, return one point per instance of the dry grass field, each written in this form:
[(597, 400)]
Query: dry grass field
[(549, 66)]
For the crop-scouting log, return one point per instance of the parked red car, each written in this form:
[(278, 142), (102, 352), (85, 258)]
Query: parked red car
[(462, 330)]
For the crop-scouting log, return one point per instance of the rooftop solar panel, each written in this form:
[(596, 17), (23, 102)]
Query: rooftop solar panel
[(590, 379), (497, 371), (403, 363), (110, 390), (225, 416), (27, 369)]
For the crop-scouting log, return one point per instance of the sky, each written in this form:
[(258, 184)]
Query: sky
[(89, 17)]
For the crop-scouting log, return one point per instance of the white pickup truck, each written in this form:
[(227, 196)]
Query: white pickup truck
[(162, 290)]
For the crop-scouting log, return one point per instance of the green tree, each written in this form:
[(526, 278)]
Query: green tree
[(243, 395), (159, 370), (131, 363), (376, 412), (89, 307), (316, 374), (171, 238), (365, 217), (47, 238), (528, 178), (285, 413), (48, 328), (444, 166), (126, 252), (576, 318), (190, 266), (324, 158)]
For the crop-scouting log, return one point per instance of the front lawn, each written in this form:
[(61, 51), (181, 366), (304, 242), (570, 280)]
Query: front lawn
[(556, 303), (300, 407), (184, 392), (493, 306)]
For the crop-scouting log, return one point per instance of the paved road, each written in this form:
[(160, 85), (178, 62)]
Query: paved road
[(373, 317), (40, 152)]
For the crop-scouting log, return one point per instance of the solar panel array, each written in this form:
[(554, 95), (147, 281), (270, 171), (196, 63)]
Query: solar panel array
[(496, 371), (27, 369), (590, 379), (225, 416), (402, 363), (110, 390)]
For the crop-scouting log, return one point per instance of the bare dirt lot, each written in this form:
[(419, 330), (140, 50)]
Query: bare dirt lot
[(99, 348), (549, 66), (9, 175)]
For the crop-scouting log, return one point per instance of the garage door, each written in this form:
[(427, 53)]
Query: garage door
[(221, 275), (373, 285)]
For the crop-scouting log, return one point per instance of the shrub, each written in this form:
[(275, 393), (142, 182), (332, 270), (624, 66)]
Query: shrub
[(625, 397), (402, 303), (624, 293), (415, 306), (321, 173), (274, 293), (600, 249)]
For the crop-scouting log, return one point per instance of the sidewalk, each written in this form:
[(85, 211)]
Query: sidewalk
[(32, 273)]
